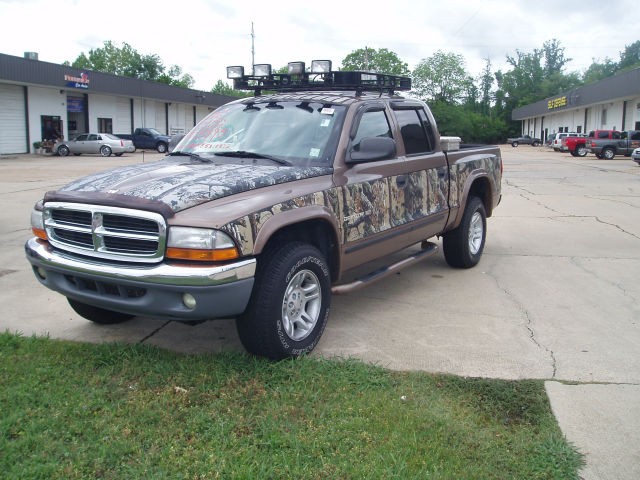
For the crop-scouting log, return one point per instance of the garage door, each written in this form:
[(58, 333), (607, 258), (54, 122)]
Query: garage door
[(13, 130)]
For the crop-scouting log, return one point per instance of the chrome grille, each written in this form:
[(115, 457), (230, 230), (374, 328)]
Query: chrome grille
[(106, 232)]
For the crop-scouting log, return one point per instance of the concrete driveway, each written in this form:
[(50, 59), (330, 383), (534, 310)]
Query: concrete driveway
[(555, 297)]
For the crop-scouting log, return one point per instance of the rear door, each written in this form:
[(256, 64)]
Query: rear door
[(419, 198)]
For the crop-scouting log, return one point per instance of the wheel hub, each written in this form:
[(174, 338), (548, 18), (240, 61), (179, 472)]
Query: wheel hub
[(301, 305)]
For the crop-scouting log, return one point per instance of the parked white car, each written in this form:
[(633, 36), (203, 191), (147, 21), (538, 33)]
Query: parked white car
[(97, 143), (635, 156)]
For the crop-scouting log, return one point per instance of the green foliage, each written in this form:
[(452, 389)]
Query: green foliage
[(74, 411), (222, 88), (442, 77), (128, 62), (371, 60), (630, 57)]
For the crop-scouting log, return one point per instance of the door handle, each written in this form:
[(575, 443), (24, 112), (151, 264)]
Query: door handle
[(401, 181)]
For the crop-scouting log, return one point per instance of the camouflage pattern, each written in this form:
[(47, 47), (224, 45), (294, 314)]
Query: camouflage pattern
[(183, 184), (361, 209), (462, 169), (367, 208)]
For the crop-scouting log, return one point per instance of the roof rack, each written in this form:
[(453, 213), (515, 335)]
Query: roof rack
[(319, 78)]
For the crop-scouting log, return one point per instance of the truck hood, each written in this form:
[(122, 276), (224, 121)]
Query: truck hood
[(181, 184)]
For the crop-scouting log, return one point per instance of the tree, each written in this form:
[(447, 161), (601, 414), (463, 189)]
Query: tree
[(127, 62), (442, 77), (630, 57), (222, 88), (378, 61), (599, 70)]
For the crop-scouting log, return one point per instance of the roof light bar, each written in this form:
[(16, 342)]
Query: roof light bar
[(321, 77), (320, 66), (235, 72), (262, 70), (295, 68)]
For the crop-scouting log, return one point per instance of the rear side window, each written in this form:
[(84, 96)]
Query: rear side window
[(415, 130)]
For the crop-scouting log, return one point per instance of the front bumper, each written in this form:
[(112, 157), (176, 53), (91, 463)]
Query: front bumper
[(149, 290)]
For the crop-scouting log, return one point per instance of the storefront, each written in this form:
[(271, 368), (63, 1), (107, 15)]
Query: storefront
[(42, 101), (610, 104)]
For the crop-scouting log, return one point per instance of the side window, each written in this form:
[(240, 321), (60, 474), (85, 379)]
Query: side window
[(635, 136), (372, 124), (413, 128), (81, 138)]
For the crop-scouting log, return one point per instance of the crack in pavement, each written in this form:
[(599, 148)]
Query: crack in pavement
[(528, 323), (599, 220)]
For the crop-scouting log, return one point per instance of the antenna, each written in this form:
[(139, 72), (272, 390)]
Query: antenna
[(253, 49)]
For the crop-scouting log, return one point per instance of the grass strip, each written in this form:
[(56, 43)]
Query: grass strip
[(72, 410)]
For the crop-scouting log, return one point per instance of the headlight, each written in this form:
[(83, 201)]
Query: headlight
[(203, 244), (37, 222)]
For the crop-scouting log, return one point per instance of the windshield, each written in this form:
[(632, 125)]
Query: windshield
[(299, 133)]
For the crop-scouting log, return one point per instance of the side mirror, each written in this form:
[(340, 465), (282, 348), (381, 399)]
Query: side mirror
[(372, 149)]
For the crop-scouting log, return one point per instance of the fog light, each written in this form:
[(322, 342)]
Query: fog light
[(189, 301), (41, 272)]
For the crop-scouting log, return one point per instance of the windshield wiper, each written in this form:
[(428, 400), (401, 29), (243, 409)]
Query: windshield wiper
[(245, 154), (195, 156)]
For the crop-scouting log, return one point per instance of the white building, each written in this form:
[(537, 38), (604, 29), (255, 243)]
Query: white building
[(610, 104), (38, 98)]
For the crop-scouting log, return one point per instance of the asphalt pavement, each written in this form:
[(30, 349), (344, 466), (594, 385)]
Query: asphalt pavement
[(555, 297)]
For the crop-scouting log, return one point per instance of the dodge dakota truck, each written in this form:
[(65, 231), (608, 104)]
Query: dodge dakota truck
[(266, 209), (147, 138), (616, 143)]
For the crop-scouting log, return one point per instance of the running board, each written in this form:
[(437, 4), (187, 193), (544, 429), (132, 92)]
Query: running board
[(428, 249)]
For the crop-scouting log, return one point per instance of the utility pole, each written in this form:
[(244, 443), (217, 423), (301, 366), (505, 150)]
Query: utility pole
[(253, 49)]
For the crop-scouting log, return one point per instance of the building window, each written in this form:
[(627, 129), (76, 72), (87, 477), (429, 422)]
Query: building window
[(105, 125)]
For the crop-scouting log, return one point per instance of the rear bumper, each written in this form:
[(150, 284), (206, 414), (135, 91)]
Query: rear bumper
[(149, 290)]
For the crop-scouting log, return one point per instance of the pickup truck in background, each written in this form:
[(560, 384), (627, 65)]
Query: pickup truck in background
[(525, 139), (617, 143), (148, 138), (575, 144), (267, 208)]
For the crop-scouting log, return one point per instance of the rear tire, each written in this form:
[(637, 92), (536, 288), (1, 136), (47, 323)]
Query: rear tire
[(105, 151), (290, 303), (581, 151), (97, 314), (514, 144), (535, 144), (464, 245)]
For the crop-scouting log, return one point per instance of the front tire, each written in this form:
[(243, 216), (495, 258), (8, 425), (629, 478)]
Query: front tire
[(290, 303), (161, 147), (608, 153), (97, 314), (464, 245), (63, 150)]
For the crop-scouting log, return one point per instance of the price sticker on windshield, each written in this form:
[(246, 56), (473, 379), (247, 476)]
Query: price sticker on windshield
[(328, 111)]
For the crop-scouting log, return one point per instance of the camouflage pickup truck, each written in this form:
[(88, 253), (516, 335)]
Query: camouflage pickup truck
[(266, 207)]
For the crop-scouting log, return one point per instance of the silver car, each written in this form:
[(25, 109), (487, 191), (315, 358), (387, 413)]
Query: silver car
[(97, 143), (635, 155)]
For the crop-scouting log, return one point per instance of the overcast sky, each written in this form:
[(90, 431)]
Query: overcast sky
[(203, 37)]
